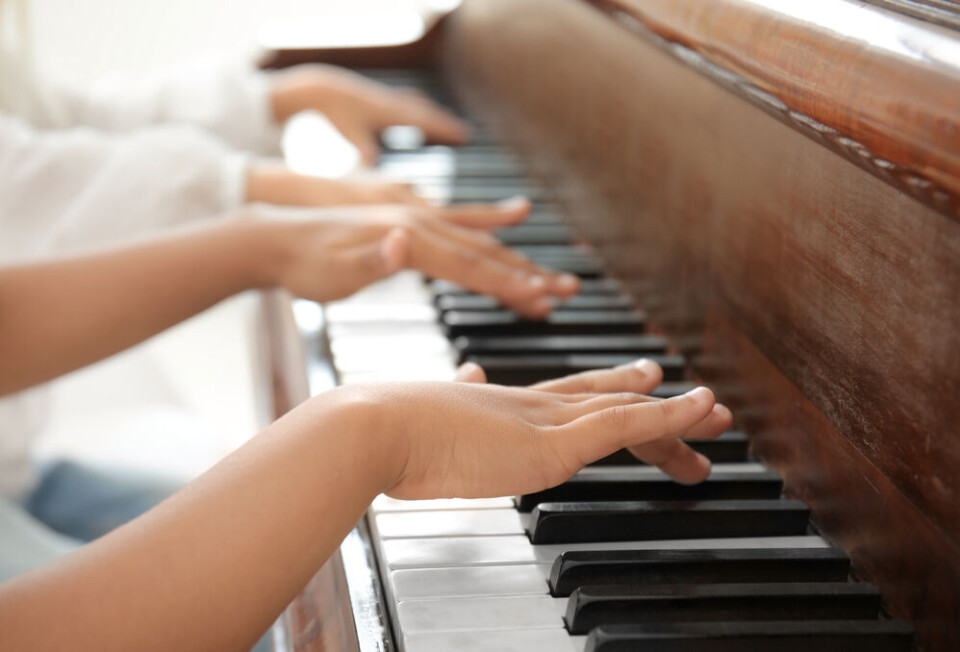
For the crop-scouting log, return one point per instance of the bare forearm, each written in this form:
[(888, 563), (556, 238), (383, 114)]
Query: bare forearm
[(213, 566), (59, 316)]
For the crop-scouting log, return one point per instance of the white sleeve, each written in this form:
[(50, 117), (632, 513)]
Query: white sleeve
[(71, 188), (231, 101)]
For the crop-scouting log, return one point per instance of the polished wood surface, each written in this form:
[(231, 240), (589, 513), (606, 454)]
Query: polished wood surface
[(820, 298), (780, 191), (321, 618), (879, 88)]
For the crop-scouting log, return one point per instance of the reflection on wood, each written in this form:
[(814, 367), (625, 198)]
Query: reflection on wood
[(879, 89), (320, 619)]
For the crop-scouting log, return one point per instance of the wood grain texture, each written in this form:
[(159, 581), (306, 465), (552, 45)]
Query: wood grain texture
[(880, 87), (714, 211)]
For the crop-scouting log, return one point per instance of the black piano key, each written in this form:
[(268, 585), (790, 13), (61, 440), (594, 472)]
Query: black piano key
[(591, 606), (529, 369), (534, 234), (542, 216), (638, 345), (559, 254), (482, 157), (593, 522), (781, 636), (731, 446), (431, 173), (480, 150), (669, 390), (638, 483), (579, 302), (580, 266), (558, 322), (547, 250), (573, 569), (466, 192), (599, 286)]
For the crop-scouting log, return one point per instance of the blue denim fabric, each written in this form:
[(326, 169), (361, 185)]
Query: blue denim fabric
[(84, 502), (74, 504)]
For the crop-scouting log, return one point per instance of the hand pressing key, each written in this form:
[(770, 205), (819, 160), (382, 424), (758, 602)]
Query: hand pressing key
[(670, 454)]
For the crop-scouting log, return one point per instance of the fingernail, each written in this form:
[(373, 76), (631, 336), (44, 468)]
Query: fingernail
[(645, 366), (701, 395), (513, 203), (536, 281), (467, 368), (568, 282)]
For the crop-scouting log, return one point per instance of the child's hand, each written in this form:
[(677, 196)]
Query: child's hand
[(273, 183), (330, 254), (361, 108), (671, 455), (437, 440)]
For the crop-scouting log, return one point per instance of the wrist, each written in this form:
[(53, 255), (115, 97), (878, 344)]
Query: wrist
[(275, 183), (264, 249), (370, 447)]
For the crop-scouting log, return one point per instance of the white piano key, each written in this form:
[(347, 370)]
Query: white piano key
[(471, 581), (442, 371), (384, 503), (371, 314), (539, 640), (478, 614), (373, 349), (383, 328), (440, 552), (479, 522), (404, 286)]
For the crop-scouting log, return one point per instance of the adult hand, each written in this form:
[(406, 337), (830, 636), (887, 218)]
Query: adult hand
[(332, 253), (360, 108), (469, 440), (671, 455)]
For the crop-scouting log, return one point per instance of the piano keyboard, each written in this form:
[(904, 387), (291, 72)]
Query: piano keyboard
[(619, 558)]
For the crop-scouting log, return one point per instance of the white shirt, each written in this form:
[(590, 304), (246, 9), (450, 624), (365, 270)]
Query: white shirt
[(126, 158)]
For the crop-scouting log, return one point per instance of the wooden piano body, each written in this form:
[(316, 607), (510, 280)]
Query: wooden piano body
[(779, 185)]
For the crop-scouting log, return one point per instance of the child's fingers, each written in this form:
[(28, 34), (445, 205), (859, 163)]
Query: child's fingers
[(714, 425), (509, 212), (674, 458), (604, 429), (470, 372), (641, 377)]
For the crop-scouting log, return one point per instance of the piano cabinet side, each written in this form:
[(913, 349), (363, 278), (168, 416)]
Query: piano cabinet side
[(321, 618), (818, 297)]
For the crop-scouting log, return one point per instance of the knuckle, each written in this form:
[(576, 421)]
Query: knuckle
[(618, 417), (587, 381), (469, 256), (667, 411)]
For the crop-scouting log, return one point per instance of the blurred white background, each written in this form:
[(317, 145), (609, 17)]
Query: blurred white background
[(80, 40), (179, 402)]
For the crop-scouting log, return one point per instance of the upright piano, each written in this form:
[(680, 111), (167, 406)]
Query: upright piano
[(765, 197)]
